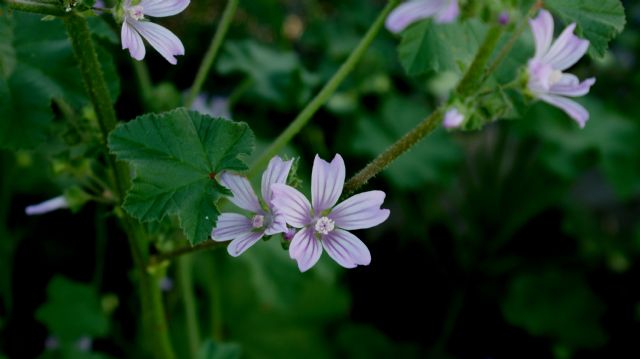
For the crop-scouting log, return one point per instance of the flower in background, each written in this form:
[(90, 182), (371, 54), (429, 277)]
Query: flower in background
[(136, 26), (547, 81), (442, 11), (218, 106), (453, 119), (243, 231), (84, 344), (322, 224), (47, 206)]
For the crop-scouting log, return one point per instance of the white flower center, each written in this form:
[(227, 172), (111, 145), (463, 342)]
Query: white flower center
[(325, 225), (257, 221), (554, 77), (136, 12)]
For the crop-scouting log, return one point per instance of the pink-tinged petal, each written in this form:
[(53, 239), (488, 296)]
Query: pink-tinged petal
[(539, 76), (230, 226), (570, 107), (542, 28), (566, 50), (346, 249), (292, 204), (164, 41), (243, 194), (278, 224), (360, 211), (327, 180), (453, 119), (410, 12), (276, 172), (131, 40), (47, 206), (449, 13), (570, 85), (243, 242), (161, 8), (305, 248)]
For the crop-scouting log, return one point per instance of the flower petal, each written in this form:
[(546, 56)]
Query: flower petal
[(243, 194), (276, 172), (360, 211), (453, 119), (47, 206), (542, 28), (570, 107), (161, 8), (292, 204), (161, 39), (305, 248), (243, 242), (566, 50), (327, 180), (449, 13), (346, 249), (410, 12), (570, 85), (230, 226), (278, 224), (131, 40)]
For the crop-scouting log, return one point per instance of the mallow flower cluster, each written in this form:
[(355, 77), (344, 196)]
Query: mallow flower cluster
[(312, 226), (547, 81), (442, 11), (137, 26)]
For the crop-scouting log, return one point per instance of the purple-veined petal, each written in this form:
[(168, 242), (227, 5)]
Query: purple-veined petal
[(278, 224), (230, 226), (131, 40), (276, 172), (539, 76), (164, 41), (566, 50), (292, 204), (161, 8), (327, 180), (243, 194), (346, 249), (570, 85), (47, 206), (542, 28), (305, 248), (360, 211), (243, 242), (453, 119), (570, 107), (448, 13), (410, 12)]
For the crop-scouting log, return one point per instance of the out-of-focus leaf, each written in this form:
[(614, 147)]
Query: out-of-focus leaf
[(72, 310), (598, 20), (173, 155), (556, 304), (363, 342), (213, 350)]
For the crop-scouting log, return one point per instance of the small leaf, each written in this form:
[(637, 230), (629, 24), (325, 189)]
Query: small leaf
[(598, 20), (173, 154)]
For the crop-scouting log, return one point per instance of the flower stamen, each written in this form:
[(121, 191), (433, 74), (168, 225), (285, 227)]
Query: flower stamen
[(324, 225), (257, 221)]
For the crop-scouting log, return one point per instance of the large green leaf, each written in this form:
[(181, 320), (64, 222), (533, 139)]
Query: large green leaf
[(598, 20), (173, 155)]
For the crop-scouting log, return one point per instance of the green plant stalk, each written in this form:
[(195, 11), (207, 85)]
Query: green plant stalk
[(212, 52), (95, 84), (39, 7), (325, 94), (471, 82), (185, 268), (144, 80)]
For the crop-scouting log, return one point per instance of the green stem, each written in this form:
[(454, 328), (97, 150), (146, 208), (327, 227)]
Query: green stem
[(212, 52), (471, 82), (325, 94), (185, 268), (144, 81), (162, 257), (93, 77), (39, 7)]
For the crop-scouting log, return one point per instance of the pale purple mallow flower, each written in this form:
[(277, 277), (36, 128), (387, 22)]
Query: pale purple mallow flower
[(47, 206), (136, 26), (218, 106), (322, 224), (243, 231), (453, 119), (442, 11), (547, 81)]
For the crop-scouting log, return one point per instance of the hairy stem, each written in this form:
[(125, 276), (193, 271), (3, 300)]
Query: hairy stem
[(325, 94), (185, 268), (95, 84), (212, 52), (39, 7)]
